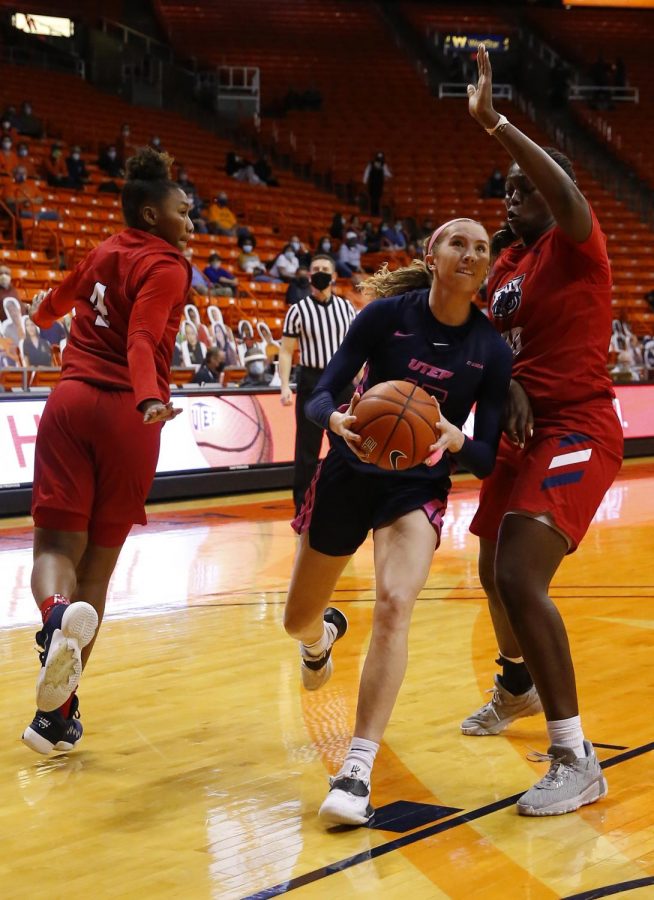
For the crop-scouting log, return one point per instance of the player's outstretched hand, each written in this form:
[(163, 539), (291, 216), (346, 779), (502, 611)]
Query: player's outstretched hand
[(480, 96), (341, 423), (37, 300), (286, 396), (519, 418), (155, 411)]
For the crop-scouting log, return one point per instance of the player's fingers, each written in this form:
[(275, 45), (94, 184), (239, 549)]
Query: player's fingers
[(470, 89), (351, 436)]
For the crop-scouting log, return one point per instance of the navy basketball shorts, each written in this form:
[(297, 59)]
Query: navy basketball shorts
[(342, 504)]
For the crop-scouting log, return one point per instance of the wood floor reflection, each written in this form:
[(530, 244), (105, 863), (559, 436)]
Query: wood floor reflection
[(203, 764)]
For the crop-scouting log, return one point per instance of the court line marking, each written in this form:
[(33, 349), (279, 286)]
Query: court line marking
[(407, 839), (607, 890)]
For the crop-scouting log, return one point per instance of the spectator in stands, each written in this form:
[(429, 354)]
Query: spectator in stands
[(600, 73), (211, 370), (155, 143), (263, 171), (337, 228), (298, 286), (24, 196), (301, 251), (54, 168), (426, 228), (249, 261), (25, 160), (27, 123), (13, 329), (185, 182), (77, 172), (35, 350), (192, 315), (324, 247), (193, 350), (221, 279), (8, 130), (494, 187), (241, 169), (286, 264), (348, 258), (8, 289), (374, 177), (10, 114), (199, 282), (220, 218), (124, 146), (109, 162), (371, 237), (392, 236), (8, 158), (255, 363), (197, 215)]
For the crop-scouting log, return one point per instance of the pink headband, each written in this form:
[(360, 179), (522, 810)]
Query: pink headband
[(441, 229)]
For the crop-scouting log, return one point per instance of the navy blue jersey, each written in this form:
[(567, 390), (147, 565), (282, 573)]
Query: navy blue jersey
[(399, 338)]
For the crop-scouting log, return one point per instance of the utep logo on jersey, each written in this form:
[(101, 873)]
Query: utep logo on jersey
[(508, 298), (430, 371)]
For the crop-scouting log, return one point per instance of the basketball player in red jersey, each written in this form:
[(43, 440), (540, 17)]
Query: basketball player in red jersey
[(98, 440), (550, 295)]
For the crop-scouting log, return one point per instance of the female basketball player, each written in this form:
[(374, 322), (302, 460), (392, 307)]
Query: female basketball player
[(550, 295), (98, 440), (435, 338)]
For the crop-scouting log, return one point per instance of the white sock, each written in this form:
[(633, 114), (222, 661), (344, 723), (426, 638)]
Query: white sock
[(567, 733), (323, 643), (359, 760)]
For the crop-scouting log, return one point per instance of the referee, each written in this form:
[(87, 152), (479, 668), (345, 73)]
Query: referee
[(318, 323)]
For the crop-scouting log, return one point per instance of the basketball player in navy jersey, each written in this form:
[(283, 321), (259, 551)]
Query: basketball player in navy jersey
[(98, 441), (436, 338)]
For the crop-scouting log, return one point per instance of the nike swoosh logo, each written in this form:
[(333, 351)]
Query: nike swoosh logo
[(395, 456), (401, 334)]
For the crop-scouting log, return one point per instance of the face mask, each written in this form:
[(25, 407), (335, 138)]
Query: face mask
[(295, 246), (75, 155), (256, 368), (111, 154), (19, 177), (222, 202), (5, 281), (289, 254), (23, 151), (6, 145), (321, 280), (247, 248), (216, 264), (326, 246)]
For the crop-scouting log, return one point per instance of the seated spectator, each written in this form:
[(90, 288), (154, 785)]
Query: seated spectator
[(109, 162), (303, 253), (426, 228), (249, 262), (192, 315), (324, 247), (24, 196), (371, 237), (185, 182), (8, 157), (35, 350), (263, 171), (298, 287), (220, 278), (286, 264), (220, 218), (124, 146), (255, 363), (649, 298), (10, 114), (240, 169), (196, 214), (25, 160), (193, 351), (348, 258), (495, 186), (54, 168), (211, 370), (392, 236), (9, 289), (337, 228), (27, 123), (77, 171), (199, 282)]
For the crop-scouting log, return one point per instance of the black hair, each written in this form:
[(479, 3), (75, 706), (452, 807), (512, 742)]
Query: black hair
[(148, 181), (215, 255)]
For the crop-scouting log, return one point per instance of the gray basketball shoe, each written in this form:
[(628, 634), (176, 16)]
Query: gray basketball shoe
[(502, 709), (570, 783)]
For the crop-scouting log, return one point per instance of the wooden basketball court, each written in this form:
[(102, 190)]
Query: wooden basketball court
[(203, 763)]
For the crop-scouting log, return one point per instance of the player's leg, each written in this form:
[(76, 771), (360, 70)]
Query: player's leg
[(514, 694), (93, 575), (308, 618), (404, 550), (308, 438), (528, 554)]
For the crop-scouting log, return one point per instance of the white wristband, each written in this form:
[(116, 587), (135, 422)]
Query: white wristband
[(501, 123)]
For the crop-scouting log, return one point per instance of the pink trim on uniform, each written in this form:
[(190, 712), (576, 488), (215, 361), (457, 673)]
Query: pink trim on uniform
[(302, 521), (435, 510)]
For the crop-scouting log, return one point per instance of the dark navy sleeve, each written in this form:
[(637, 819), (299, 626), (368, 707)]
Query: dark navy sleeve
[(478, 455), (370, 327)]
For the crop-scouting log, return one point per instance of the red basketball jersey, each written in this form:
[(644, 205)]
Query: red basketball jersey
[(552, 303), (128, 296)]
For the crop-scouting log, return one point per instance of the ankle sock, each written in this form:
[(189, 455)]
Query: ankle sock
[(324, 642), (359, 760), (515, 677), (50, 602), (567, 733)]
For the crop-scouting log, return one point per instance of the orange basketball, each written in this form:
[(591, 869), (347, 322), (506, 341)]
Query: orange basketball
[(396, 421)]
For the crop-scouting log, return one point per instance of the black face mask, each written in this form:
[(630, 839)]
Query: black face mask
[(321, 280)]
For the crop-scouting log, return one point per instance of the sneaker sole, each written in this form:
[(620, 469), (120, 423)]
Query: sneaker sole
[(480, 731), (60, 675), (335, 812), (37, 742), (594, 792)]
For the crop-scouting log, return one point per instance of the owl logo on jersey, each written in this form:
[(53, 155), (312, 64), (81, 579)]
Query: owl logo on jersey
[(507, 298)]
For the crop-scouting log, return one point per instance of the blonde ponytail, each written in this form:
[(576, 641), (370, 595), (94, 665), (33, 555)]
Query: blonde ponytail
[(387, 283)]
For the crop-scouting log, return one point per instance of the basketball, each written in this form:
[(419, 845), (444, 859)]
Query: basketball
[(396, 421), (231, 430)]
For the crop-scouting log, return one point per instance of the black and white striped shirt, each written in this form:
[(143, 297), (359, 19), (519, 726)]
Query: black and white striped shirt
[(319, 327)]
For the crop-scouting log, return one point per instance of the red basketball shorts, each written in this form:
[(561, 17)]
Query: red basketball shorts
[(562, 472), (94, 463)]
